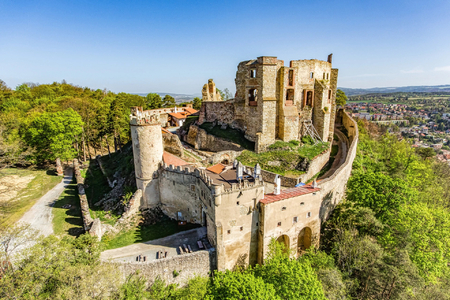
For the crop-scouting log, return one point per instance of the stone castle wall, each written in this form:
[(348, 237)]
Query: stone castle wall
[(187, 266), (333, 187)]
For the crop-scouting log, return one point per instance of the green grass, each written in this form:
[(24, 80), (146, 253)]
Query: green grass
[(145, 233), (230, 134), (68, 221), (290, 157), (12, 210), (334, 150)]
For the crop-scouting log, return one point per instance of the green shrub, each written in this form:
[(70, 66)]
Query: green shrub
[(307, 140)]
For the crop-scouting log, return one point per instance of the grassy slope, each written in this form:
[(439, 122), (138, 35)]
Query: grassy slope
[(146, 233), (288, 158), (26, 198)]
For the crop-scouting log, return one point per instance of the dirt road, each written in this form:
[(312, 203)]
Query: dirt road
[(40, 215)]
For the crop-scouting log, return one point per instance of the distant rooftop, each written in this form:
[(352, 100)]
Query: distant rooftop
[(289, 193)]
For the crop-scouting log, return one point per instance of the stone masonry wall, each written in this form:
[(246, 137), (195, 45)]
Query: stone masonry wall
[(187, 266), (172, 144), (333, 187)]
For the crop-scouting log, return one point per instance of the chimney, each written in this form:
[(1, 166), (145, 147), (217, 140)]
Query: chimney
[(277, 187), (256, 171), (239, 171), (314, 184), (235, 163), (330, 58)]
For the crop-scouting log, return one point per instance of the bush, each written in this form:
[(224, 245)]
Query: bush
[(307, 140)]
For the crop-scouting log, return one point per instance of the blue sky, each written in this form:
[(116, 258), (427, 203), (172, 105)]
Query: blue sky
[(176, 46)]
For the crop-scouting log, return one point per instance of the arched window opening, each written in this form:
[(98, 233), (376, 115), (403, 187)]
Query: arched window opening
[(252, 73), (252, 98), (304, 240), (284, 240), (291, 77)]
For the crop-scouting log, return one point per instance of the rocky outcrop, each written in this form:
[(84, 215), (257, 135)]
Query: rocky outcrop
[(172, 144), (202, 140)]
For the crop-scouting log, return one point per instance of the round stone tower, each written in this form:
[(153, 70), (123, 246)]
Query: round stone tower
[(148, 153)]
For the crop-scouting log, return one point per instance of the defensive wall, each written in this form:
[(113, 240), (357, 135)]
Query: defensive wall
[(178, 269), (333, 187)]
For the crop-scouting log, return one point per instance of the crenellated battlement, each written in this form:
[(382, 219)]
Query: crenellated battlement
[(141, 117)]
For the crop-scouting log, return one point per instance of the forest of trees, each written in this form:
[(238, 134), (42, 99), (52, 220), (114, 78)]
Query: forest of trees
[(39, 123)]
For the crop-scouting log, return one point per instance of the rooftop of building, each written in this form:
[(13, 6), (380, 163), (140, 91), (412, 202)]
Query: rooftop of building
[(221, 174), (170, 159), (289, 193)]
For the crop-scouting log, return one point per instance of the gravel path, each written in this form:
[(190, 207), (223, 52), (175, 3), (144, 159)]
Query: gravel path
[(40, 215)]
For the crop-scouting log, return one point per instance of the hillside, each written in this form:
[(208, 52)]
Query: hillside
[(420, 88)]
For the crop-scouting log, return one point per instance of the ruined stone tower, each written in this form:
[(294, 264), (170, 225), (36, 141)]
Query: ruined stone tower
[(148, 153)]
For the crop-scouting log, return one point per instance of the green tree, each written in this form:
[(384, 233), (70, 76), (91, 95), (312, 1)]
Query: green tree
[(53, 134), (153, 101), (341, 98), (292, 279), (169, 101), (237, 285), (197, 103)]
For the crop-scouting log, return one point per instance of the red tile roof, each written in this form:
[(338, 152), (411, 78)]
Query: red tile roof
[(163, 130), (190, 110), (216, 169), (289, 193), (179, 115), (171, 159)]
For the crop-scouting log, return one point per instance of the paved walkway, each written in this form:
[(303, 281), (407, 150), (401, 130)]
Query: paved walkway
[(340, 157), (40, 215), (149, 249)]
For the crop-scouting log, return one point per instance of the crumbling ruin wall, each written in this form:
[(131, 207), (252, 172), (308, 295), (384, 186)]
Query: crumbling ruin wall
[(222, 111), (202, 140), (226, 157), (187, 266), (172, 144)]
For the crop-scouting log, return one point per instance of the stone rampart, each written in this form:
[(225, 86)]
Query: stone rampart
[(333, 187), (178, 269)]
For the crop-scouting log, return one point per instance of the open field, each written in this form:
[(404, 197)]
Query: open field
[(20, 189)]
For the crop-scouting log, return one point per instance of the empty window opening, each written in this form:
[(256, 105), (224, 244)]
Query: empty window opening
[(324, 75), (311, 75), (283, 208), (295, 220), (257, 224), (237, 203), (291, 77), (329, 96), (279, 223), (173, 182), (192, 187), (308, 215), (309, 98), (252, 73), (242, 228), (252, 97), (302, 203), (289, 95), (228, 231), (328, 75)]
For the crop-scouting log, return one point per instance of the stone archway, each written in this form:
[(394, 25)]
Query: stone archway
[(304, 240), (284, 239)]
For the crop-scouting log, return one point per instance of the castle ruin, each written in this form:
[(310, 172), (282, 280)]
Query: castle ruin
[(272, 102)]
